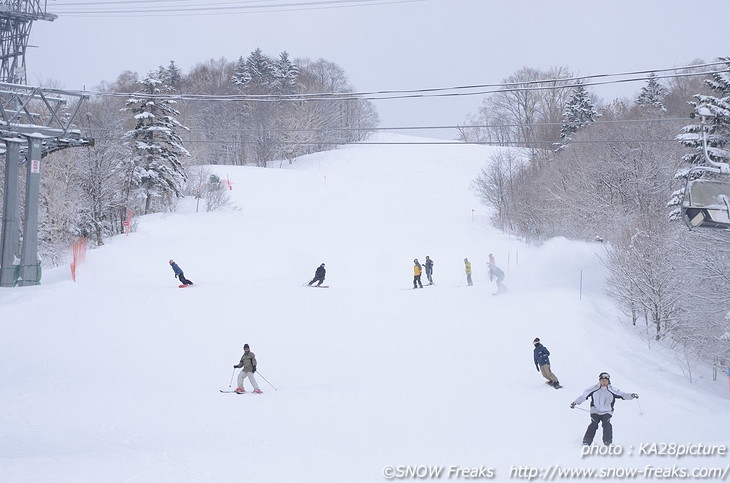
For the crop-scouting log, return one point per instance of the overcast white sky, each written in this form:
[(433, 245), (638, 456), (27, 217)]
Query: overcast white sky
[(385, 45)]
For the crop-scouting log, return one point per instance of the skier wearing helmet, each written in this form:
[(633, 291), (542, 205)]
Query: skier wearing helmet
[(602, 396)]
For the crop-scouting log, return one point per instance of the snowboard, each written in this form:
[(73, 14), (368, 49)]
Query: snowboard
[(424, 286), (319, 286), (184, 286)]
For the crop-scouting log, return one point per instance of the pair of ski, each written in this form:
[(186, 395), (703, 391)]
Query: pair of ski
[(233, 391), (555, 385)]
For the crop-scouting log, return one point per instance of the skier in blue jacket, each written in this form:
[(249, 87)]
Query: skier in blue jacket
[(542, 363), (179, 273)]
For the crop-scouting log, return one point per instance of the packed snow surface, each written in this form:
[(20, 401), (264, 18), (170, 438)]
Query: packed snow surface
[(116, 377)]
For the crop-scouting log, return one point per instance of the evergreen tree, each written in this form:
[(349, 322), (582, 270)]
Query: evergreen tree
[(652, 94), (286, 75), (169, 76), (257, 75), (155, 169), (240, 75), (174, 75), (579, 111)]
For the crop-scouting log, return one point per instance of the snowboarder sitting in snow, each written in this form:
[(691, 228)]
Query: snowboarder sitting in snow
[(429, 270), (496, 272), (417, 274), (248, 363), (602, 396), (179, 273), (542, 362), (318, 275)]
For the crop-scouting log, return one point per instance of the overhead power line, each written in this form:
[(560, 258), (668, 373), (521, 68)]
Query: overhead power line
[(455, 142), (173, 8), (455, 91), (422, 128)]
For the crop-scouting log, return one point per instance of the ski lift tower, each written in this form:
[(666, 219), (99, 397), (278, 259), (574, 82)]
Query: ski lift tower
[(34, 122), (16, 20)]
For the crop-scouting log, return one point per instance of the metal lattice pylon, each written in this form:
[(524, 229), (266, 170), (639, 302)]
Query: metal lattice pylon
[(33, 123), (16, 20)]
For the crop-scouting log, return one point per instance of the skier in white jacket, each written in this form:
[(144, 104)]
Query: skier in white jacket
[(602, 396)]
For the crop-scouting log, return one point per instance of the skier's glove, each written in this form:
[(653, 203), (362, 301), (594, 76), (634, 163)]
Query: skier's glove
[(236, 366), (254, 369), (634, 395), (537, 369), (572, 405)]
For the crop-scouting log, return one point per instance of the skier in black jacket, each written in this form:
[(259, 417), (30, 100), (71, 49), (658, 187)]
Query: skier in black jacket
[(428, 264), (318, 276)]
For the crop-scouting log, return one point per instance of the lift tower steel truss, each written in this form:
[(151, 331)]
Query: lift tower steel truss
[(16, 20), (33, 123)]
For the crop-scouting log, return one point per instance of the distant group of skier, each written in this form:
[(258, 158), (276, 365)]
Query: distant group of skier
[(602, 395), (495, 273), (417, 269), (319, 274)]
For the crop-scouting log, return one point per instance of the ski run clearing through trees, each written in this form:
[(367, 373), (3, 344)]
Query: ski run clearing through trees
[(116, 377)]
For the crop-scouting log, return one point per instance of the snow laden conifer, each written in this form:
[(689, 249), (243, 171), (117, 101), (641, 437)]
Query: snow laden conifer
[(579, 111), (652, 94), (155, 171), (265, 117), (286, 75), (256, 75)]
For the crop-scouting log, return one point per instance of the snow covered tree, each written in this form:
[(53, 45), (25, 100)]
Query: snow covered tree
[(643, 279), (100, 175), (579, 111), (286, 75), (155, 169), (495, 185), (652, 94), (257, 75), (169, 76), (241, 76)]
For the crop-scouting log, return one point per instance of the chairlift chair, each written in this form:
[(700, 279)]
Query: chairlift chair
[(706, 203)]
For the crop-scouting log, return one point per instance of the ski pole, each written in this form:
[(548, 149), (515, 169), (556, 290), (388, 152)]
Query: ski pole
[(586, 410), (641, 413), (262, 376), (232, 374)]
